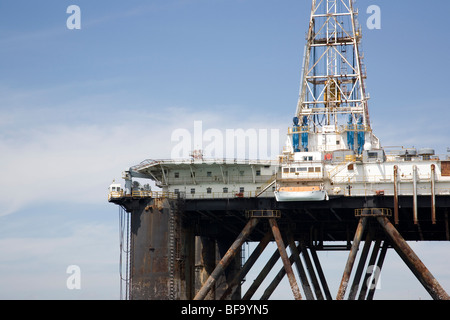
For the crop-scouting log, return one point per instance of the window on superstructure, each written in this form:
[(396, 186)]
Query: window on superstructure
[(209, 174), (258, 173), (292, 170), (318, 169), (177, 174), (176, 191), (310, 169), (192, 190), (241, 190), (241, 173), (208, 190), (225, 190), (285, 170)]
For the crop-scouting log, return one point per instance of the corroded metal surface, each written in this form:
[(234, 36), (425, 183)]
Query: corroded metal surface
[(413, 262)]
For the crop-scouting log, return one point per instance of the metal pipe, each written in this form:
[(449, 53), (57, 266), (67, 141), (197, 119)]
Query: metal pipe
[(413, 262), (248, 264), (372, 260), (277, 279), (359, 270), (312, 274), (285, 259), (301, 271), (221, 266), (380, 266), (396, 195), (323, 281), (416, 220), (433, 194), (262, 275), (351, 258)]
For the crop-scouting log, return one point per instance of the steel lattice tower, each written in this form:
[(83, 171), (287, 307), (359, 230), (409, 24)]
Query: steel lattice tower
[(332, 89)]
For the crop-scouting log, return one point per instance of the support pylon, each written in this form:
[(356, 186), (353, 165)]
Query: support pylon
[(377, 258)]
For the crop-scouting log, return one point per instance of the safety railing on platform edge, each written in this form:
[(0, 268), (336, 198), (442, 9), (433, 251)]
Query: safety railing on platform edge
[(142, 194), (373, 212), (176, 195)]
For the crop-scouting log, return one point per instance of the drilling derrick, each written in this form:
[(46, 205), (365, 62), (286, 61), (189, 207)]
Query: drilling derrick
[(333, 96)]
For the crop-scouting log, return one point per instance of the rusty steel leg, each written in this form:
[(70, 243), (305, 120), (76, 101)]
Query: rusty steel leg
[(413, 262), (351, 258), (372, 260), (380, 266), (248, 264), (285, 259), (311, 272), (262, 275), (360, 268), (320, 273), (301, 271), (201, 294), (277, 279)]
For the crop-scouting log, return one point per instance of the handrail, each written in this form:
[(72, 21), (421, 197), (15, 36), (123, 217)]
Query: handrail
[(173, 195)]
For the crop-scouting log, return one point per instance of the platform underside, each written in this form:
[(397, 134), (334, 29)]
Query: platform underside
[(325, 221)]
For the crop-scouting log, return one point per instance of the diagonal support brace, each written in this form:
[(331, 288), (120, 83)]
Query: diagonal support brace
[(413, 262), (221, 266), (285, 259), (351, 258)]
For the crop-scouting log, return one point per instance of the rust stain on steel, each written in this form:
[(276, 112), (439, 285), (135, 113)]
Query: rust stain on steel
[(201, 294), (285, 259), (351, 258), (248, 264), (396, 195), (413, 262), (433, 196)]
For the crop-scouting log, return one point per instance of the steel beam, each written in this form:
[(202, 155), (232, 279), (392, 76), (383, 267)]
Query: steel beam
[(300, 270), (380, 266), (433, 194), (415, 215), (413, 262), (285, 259), (396, 195), (221, 266), (248, 264), (262, 275), (311, 272), (372, 260), (360, 268), (320, 273), (276, 281), (351, 258)]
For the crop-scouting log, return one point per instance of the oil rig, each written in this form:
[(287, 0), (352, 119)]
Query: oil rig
[(332, 183)]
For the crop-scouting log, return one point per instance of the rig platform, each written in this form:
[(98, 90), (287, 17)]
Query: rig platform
[(332, 183)]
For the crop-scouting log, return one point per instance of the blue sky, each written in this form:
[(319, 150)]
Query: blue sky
[(79, 106)]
